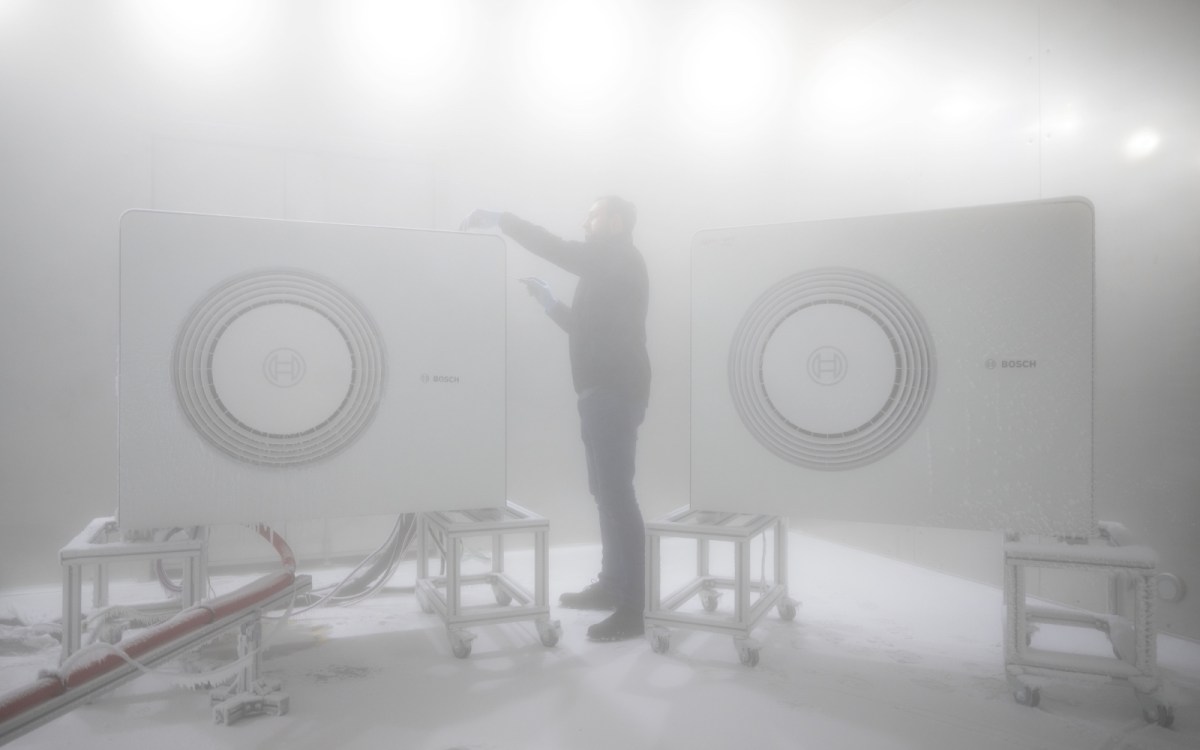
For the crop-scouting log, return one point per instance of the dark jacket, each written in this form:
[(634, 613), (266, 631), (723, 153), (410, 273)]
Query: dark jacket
[(606, 321)]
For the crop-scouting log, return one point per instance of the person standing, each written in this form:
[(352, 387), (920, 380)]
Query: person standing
[(610, 367)]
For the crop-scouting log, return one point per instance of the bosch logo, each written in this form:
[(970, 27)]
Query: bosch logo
[(1010, 364), (827, 366), (284, 368), (426, 378)]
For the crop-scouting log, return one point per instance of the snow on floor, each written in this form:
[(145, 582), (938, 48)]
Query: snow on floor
[(881, 655)]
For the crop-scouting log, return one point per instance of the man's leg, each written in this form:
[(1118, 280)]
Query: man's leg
[(610, 423), (603, 593)]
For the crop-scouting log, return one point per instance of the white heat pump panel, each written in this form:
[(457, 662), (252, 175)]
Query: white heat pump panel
[(929, 368), (274, 370)]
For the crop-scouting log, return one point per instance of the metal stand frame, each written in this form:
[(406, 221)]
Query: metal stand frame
[(249, 694), (56, 692), (1128, 625), (101, 543), (270, 700), (445, 531), (706, 527)]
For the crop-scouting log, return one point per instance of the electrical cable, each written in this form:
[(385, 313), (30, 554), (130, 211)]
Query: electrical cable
[(387, 545), (132, 616), (287, 559), (194, 680), (170, 586), (379, 567)]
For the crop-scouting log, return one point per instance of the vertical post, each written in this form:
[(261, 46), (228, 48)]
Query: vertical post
[(652, 572), (1011, 587), (195, 576), (742, 580), (249, 640), (542, 563), (781, 553), (497, 552), (1146, 657), (1017, 626), (422, 551), (453, 555), (100, 586), (187, 585), (72, 609), (201, 581)]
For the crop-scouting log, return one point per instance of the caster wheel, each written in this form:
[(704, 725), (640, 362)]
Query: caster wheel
[(660, 642), (748, 656), (1162, 715), (787, 610), (1027, 696), (747, 649), (460, 643), (503, 598), (549, 632), (709, 599)]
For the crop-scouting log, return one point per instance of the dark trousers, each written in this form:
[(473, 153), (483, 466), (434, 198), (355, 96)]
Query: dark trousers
[(609, 424)]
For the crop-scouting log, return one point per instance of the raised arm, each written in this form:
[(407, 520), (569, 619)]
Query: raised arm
[(567, 255)]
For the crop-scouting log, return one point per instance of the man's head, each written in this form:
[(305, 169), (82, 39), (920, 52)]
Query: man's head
[(610, 217)]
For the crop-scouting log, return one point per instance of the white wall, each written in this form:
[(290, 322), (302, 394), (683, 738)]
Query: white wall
[(103, 112)]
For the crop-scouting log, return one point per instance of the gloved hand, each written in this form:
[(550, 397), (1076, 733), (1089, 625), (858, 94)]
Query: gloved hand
[(480, 219), (540, 291)]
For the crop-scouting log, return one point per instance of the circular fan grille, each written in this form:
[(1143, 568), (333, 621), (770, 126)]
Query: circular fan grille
[(831, 369), (279, 367)]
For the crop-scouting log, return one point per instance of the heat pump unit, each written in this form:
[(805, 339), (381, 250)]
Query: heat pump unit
[(274, 370), (929, 368)]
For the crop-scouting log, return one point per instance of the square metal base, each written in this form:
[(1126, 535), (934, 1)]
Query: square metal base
[(1128, 625), (445, 531), (751, 598), (102, 543)]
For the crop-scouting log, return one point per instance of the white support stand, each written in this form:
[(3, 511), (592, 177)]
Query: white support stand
[(249, 694), (101, 543), (1130, 629), (445, 531), (706, 527)]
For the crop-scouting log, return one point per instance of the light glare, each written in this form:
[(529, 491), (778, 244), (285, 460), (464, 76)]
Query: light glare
[(732, 69), (211, 33), (579, 54), (967, 106), (416, 46), (10, 9), (860, 84), (1142, 143)]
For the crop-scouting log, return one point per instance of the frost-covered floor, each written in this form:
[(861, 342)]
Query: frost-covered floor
[(881, 655)]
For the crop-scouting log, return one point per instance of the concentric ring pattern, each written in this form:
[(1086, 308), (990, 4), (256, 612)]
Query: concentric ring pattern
[(200, 336), (869, 438)]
